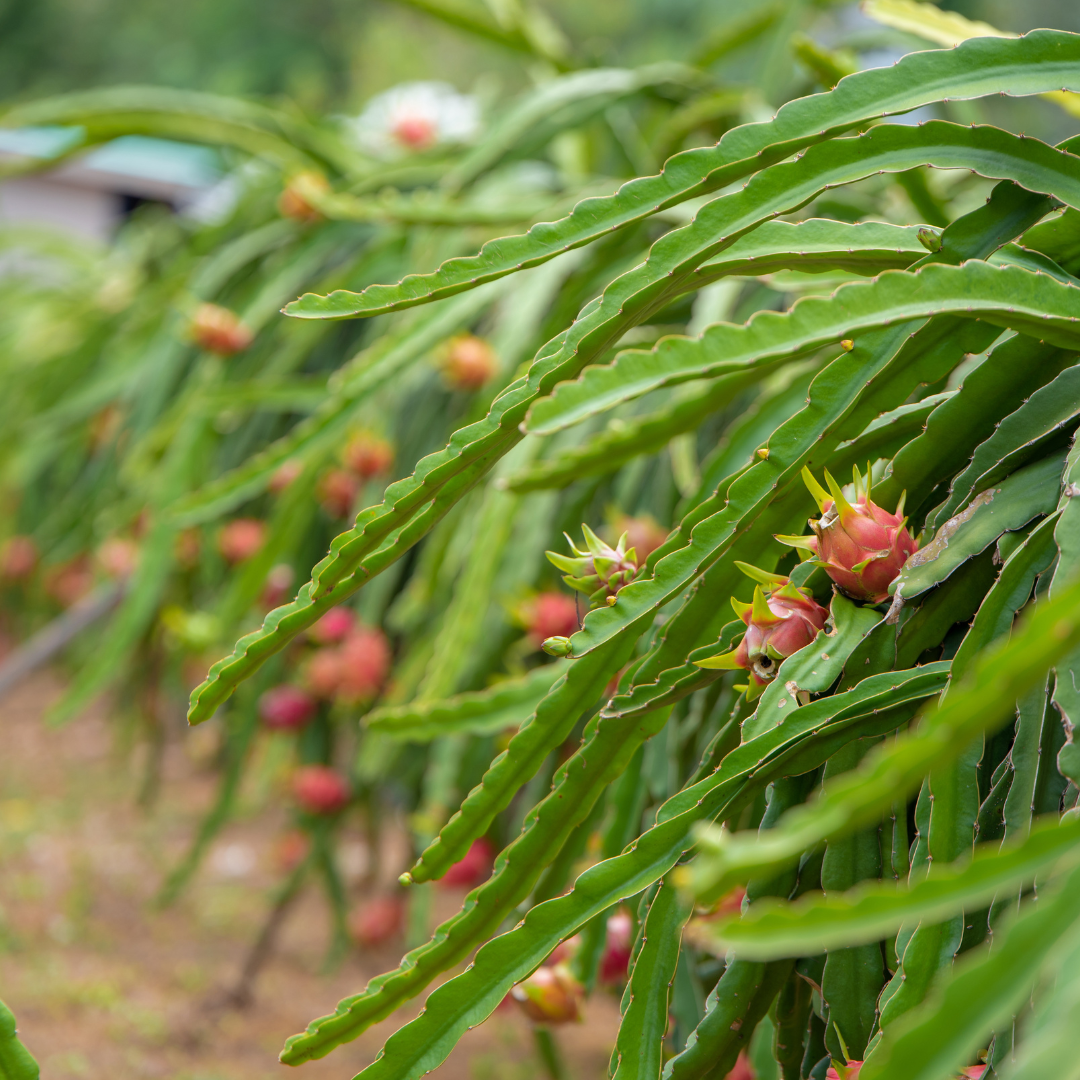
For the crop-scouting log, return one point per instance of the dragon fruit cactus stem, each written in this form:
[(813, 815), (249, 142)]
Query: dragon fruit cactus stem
[(859, 545), (599, 571), (781, 620)]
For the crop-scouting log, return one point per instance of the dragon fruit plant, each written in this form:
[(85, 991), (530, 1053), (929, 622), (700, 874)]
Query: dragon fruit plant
[(679, 356)]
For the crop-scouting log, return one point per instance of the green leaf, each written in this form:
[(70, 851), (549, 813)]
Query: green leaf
[(15, 1060), (979, 704), (771, 929), (187, 115), (1026, 494), (609, 744), (639, 1045), (937, 1039), (1017, 439), (478, 712), (1009, 297), (1040, 61)]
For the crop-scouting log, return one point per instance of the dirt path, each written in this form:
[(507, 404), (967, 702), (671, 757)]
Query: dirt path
[(105, 985)]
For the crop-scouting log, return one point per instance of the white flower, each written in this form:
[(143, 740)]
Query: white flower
[(416, 116)]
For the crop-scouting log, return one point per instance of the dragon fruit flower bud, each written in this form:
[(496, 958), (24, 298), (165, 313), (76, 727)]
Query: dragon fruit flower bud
[(286, 707), (859, 545), (320, 790), (599, 571), (781, 620), (550, 995), (219, 330)]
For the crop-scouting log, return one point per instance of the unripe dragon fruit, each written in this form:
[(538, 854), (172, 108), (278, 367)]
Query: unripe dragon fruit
[(296, 200), (550, 995), (468, 362), (599, 571), (781, 620), (320, 789), (286, 707), (860, 546), (219, 330), (367, 455)]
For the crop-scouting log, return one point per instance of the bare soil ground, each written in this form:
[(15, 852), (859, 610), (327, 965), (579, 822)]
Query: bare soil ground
[(104, 984)]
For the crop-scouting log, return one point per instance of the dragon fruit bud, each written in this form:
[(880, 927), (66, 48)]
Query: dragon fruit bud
[(320, 790), (286, 707), (781, 620), (859, 545), (599, 571), (550, 995)]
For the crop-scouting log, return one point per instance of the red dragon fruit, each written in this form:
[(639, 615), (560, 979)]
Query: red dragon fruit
[(320, 790), (286, 707), (860, 546), (379, 920), (468, 362), (18, 558), (334, 626), (618, 945), (472, 868), (241, 539), (550, 995), (549, 614), (781, 620)]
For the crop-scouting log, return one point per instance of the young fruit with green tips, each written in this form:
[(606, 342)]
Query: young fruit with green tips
[(781, 620), (859, 545), (599, 571)]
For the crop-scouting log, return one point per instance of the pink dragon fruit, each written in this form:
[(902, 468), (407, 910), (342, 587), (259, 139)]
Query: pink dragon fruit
[(781, 620), (861, 547), (286, 707)]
